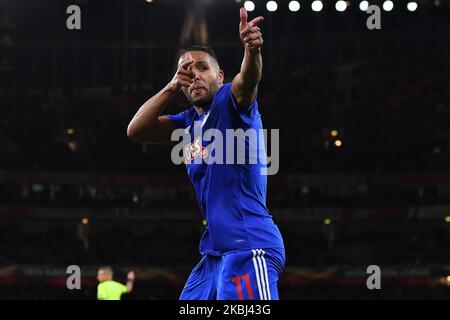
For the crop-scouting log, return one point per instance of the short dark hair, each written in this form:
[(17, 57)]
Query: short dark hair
[(198, 47)]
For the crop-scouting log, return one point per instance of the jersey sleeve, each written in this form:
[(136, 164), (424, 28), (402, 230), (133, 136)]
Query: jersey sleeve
[(101, 294), (123, 288), (179, 119), (246, 115)]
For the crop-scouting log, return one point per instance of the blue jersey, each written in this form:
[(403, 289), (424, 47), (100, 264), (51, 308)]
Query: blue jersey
[(232, 197)]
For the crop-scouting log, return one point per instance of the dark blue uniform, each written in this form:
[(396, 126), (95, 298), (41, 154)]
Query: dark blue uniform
[(242, 248)]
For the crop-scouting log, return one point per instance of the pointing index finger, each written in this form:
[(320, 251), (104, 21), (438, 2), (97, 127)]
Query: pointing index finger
[(184, 64), (256, 21)]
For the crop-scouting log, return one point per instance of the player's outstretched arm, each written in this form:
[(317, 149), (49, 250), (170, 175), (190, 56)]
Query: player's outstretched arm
[(245, 83), (147, 124), (130, 281)]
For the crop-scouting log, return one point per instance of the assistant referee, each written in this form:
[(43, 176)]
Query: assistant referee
[(108, 289)]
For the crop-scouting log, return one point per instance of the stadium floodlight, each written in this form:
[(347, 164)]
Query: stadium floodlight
[(294, 6), (249, 5), (363, 5), (271, 6), (317, 5), (388, 5), (341, 5), (412, 6)]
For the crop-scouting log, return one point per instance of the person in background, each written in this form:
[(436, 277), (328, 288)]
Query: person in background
[(108, 289)]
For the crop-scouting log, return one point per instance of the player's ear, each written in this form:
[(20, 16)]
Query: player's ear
[(220, 76)]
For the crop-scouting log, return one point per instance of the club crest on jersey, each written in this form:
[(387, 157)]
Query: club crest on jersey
[(193, 150)]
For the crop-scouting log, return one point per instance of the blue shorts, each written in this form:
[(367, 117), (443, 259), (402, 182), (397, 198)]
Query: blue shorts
[(240, 275)]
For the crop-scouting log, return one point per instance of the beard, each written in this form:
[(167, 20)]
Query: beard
[(204, 100)]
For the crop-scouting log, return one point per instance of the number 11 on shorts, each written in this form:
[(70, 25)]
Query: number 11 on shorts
[(237, 281)]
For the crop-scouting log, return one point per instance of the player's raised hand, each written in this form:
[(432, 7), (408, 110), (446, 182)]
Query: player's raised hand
[(183, 77), (131, 276), (249, 32)]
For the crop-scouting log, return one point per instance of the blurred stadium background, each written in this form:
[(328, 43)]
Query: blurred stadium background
[(364, 119)]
